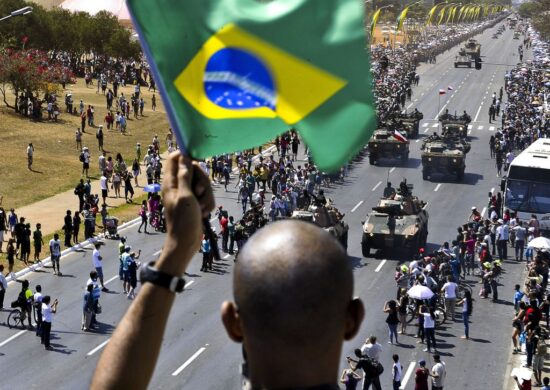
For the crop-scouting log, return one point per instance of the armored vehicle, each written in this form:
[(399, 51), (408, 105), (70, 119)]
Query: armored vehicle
[(408, 123), (444, 155), (327, 217), (462, 60), (455, 128), (472, 49), (399, 221), (386, 143)]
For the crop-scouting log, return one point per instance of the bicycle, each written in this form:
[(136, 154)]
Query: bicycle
[(16, 318), (439, 313)]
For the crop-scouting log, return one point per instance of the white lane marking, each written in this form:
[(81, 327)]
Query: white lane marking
[(157, 253), (226, 256), (189, 284), (417, 141), (483, 211), (213, 219), (437, 187), (491, 128), (393, 169), (469, 132), (425, 131), (189, 361), (99, 347), (356, 206), (12, 338), (409, 106), (407, 375), (110, 280), (470, 127), (426, 205), (478, 111), (129, 226), (480, 127), (440, 111), (380, 266), (376, 186), (435, 125), (424, 125)]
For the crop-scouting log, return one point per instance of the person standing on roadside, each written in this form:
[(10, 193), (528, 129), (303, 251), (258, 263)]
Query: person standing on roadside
[(85, 160), (450, 289), (38, 243), (467, 308), (78, 139), (3, 286), (350, 379), (47, 317), (68, 228), (76, 226), (98, 265), (3, 226), (231, 232), (143, 214), (397, 372), (439, 372), (55, 254), (37, 306), (103, 184), (392, 320)]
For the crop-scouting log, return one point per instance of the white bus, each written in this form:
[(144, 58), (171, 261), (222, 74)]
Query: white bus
[(526, 188)]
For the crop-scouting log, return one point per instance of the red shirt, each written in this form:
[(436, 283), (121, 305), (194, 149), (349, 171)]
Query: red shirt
[(223, 224)]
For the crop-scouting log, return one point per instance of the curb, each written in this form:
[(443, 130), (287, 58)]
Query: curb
[(47, 261)]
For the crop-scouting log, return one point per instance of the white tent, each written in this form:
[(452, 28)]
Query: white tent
[(116, 7)]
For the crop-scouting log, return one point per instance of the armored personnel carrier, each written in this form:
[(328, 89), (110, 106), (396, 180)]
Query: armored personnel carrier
[(385, 143), (472, 49), (454, 125), (444, 155), (463, 60), (408, 123), (396, 222), (327, 217)]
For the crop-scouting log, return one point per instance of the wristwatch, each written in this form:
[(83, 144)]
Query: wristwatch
[(152, 275)]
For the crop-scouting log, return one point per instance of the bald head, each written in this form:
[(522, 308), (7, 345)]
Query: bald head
[(293, 284)]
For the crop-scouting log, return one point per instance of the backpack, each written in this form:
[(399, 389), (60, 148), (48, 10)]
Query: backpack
[(81, 157)]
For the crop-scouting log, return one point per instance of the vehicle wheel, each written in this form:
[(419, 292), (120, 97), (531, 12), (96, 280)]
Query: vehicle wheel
[(411, 313), (440, 316), (14, 319), (371, 160), (365, 248)]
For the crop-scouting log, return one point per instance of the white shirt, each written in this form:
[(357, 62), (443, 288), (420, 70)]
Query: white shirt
[(429, 322), (439, 370), (397, 371), (47, 313), (3, 282), (55, 247), (38, 297), (96, 259), (103, 182), (372, 350), (30, 151), (450, 290)]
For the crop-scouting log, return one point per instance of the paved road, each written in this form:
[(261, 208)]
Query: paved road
[(196, 353)]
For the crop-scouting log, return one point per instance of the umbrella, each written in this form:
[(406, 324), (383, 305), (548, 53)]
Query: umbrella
[(152, 188), (420, 292), (539, 243)]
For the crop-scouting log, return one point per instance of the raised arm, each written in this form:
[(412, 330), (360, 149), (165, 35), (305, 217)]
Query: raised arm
[(140, 332)]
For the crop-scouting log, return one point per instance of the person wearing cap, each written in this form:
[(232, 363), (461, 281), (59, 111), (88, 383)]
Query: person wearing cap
[(421, 376)]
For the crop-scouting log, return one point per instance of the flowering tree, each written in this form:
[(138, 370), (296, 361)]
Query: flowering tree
[(29, 72)]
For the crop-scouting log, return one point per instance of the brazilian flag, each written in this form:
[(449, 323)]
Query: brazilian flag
[(236, 73)]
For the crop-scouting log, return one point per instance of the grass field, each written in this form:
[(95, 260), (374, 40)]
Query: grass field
[(56, 166)]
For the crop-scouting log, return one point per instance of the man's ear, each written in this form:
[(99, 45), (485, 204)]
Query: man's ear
[(232, 321), (354, 317)]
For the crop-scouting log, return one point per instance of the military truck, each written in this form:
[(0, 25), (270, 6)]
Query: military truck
[(399, 221), (472, 49), (327, 217), (444, 155), (455, 125), (384, 143), (463, 60), (408, 123)]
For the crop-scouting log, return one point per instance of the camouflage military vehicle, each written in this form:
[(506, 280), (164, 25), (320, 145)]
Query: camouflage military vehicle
[(384, 143), (444, 155), (396, 222), (327, 217), (454, 125), (472, 49), (408, 123), (463, 60)]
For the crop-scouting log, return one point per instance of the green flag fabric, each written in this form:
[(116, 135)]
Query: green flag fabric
[(236, 73)]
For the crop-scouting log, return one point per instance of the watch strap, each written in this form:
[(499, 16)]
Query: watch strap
[(152, 275)]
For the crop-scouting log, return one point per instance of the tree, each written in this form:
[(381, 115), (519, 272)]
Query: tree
[(538, 11), (29, 72)]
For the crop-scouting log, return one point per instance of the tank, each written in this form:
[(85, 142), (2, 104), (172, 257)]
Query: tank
[(463, 60), (445, 156), (327, 217), (385, 144), (396, 222), (454, 125), (472, 49)]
